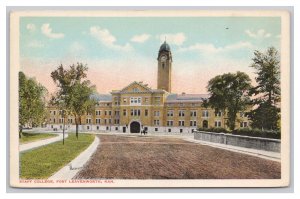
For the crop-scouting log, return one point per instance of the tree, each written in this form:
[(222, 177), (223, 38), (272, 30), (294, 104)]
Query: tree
[(229, 92), (266, 95), (31, 102), (75, 92)]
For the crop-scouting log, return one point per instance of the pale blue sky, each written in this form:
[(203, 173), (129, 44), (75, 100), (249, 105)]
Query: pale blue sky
[(202, 47)]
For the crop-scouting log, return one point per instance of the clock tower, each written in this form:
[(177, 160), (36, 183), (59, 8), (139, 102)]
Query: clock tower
[(164, 73)]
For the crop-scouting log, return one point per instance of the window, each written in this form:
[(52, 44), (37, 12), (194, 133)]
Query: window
[(205, 113), (244, 124), (105, 112), (54, 112), (218, 114), (88, 113), (181, 113), (181, 104), (135, 100), (169, 123), (125, 100), (193, 123), (109, 121), (98, 121), (146, 112), (50, 112), (117, 113), (193, 113), (181, 130), (98, 112), (105, 121), (88, 120), (109, 112), (146, 99), (157, 100), (156, 129), (88, 127), (97, 127), (135, 89), (170, 113), (180, 123), (124, 112), (218, 124), (169, 130), (156, 113), (156, 122), (117, 121), (53, 120), (135, 112)]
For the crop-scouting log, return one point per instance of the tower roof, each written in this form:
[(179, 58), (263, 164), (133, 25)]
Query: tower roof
[(164, 47)]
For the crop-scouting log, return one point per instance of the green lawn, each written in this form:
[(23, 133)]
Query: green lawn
[(31, 137), (41, 163)]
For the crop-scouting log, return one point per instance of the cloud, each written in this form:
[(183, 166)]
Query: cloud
[(46, 30), (176, 39), (140, 38), (212, 49), (30, 27), (35, 44), (261, 33), (107, 39)]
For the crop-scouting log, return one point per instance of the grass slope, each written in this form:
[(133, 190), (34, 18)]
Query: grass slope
[(31, 137), (41, 163)]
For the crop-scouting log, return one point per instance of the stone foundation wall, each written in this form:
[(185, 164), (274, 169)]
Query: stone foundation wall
[(266, 144)]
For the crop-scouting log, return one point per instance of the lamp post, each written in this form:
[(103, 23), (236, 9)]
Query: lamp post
[(63, 116)]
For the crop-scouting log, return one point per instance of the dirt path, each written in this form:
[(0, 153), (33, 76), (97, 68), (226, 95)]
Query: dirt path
[(121, 157)]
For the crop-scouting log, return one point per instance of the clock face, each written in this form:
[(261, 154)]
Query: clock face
[(163, 58)]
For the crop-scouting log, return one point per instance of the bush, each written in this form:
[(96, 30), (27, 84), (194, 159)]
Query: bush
[(257, 133), (246, 132), (214, 130)]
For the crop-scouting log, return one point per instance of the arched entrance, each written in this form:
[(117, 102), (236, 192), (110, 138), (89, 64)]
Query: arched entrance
[(135, 127), (205, 124)]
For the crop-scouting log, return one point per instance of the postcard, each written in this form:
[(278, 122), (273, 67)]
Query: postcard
[(149, 98)]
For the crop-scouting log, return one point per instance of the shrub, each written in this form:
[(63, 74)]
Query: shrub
[(257, 133), (214, 130)]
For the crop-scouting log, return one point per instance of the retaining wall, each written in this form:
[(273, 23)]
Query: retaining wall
[(266, 144)]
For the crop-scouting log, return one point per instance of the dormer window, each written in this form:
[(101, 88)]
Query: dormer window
[(135, 89)]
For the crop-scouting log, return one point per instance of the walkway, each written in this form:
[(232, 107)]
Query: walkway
[(39, 143), (70, 170)]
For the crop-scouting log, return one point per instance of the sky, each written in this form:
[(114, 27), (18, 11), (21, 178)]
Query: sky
[(120, 50)]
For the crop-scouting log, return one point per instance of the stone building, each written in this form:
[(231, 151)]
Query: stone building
[(137, 107)]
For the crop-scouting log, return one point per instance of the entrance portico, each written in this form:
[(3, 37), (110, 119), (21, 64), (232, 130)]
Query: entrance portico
[(135, 127)]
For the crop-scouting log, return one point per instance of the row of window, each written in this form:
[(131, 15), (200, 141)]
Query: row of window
[(136, 100), (155, 122), (170, 113)]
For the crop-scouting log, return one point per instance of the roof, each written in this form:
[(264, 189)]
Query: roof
[(145, 86), (102, 97), (164, 47), (186, 97)]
